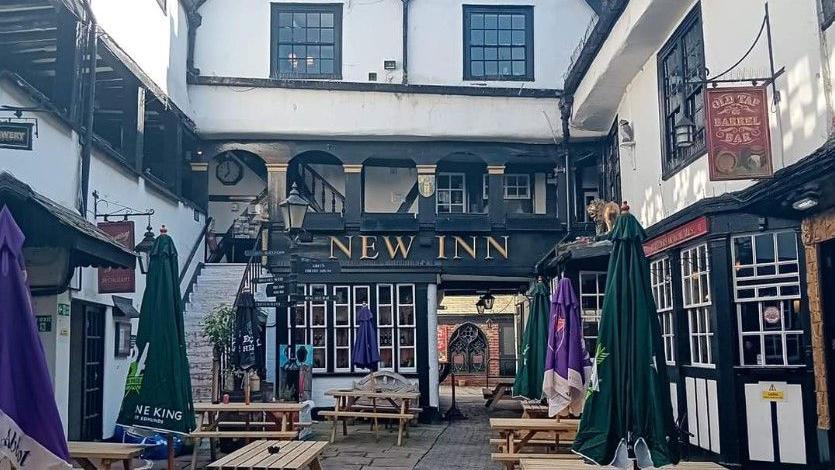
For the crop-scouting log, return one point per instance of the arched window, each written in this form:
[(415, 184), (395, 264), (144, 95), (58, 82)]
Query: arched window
[(467, 350)]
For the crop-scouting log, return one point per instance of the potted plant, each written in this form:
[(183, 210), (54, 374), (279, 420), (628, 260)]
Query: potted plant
[(218, 328)]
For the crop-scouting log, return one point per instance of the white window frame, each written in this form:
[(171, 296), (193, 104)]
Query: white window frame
[(312, 288), (526, 179), (760, 286), (300, 326), (598, 295), (348, 326), (450, 205), (389, 327), (403, 327), (662, 290), (695, 271)]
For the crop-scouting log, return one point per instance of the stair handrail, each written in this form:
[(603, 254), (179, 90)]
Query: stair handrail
[(250, 272), (199, 241), (315, 174)]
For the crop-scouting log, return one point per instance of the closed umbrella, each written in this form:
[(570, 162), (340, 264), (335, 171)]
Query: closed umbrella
[(31, 433), (567, 363), (247, 333), (627, 411), (366, 353), (528, 381), (158, 387)]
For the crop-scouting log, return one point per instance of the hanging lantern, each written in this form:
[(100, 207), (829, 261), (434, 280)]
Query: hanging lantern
[(685, 132)]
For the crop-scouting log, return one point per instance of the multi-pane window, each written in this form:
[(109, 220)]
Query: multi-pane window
[(681, 66), (342, 328), (498, 43), (662, 291), (767, 293), (696, 300), (592, 289), (319, 328), (307, 40), (517, 186), (385, 325), (828, 12), (451, 193), (406, 323)]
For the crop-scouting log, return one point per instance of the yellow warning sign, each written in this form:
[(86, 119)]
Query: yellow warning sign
[(772, 394)]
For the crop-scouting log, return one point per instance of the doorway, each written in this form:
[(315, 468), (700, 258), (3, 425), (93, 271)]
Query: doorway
[(86, 396)]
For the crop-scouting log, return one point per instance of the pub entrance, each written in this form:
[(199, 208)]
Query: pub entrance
[(86, 397)]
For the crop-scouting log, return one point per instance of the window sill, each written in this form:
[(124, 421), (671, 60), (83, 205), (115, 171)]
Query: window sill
[(669, 172), (702, 366), (474, 80)]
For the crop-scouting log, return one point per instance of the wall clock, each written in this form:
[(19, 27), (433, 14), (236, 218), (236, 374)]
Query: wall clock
[(229, 171)]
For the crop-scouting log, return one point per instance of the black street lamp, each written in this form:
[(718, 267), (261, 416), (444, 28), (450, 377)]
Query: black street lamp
[(293, 211), (143, 248)]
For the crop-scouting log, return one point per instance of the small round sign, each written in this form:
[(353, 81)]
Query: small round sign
[(771, 315)]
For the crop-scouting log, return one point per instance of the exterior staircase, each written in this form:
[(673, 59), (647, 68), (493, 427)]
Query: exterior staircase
[(216, 285)]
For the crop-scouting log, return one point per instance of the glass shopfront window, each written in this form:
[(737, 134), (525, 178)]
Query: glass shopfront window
[(766, 275)]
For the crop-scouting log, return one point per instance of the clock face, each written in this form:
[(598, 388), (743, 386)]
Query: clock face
[(229, 172)]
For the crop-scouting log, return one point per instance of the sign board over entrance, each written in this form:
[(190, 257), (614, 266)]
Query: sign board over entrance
[(693, 229), (738, 136), (16, 135)]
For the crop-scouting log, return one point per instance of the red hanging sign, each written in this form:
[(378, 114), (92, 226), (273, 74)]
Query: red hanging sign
[(683, 233), (738, 136), (112, 280)]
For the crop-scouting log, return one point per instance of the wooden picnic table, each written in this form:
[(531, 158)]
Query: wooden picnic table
[(107, 453), (502, 390), (578, 464), (275, 421), (274, 455), (534, 409), (516, 434), (393, 405)]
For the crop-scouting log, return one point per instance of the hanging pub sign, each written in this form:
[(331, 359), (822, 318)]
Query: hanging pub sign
[(113, 280), (738, 137), (16, 135)]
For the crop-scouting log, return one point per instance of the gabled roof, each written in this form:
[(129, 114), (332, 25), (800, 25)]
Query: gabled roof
[(47, 223)]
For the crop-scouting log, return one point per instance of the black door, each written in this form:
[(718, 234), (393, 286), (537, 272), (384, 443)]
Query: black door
[(827, 273), (92, 372)]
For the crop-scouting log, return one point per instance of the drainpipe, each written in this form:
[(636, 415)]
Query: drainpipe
[(565, 115), (405, 41), (87, 143)]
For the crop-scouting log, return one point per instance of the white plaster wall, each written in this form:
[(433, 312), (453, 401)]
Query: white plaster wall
[(51, 167), (244, 112), (156, 40), (386, 188), (372, 33), (436, 40), (799, 124)]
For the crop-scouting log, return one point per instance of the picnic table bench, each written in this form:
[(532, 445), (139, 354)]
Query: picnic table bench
[(396, 406), (107, 453), (534, 409), (274, 421), (579, 464), (516, 434), (274, 455), (502, 390)]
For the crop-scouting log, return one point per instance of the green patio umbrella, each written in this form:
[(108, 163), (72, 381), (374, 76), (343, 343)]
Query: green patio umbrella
[(628, 412), (158, 387), (529, 376)]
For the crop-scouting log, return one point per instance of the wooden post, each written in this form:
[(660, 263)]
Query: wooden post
[(171, 465)]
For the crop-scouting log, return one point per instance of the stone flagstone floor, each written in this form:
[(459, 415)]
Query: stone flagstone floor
[(460, 445)]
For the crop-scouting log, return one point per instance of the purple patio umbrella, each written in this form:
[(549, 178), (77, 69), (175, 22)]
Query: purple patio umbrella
[(366, 354), (567, 363), (31, 433)]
